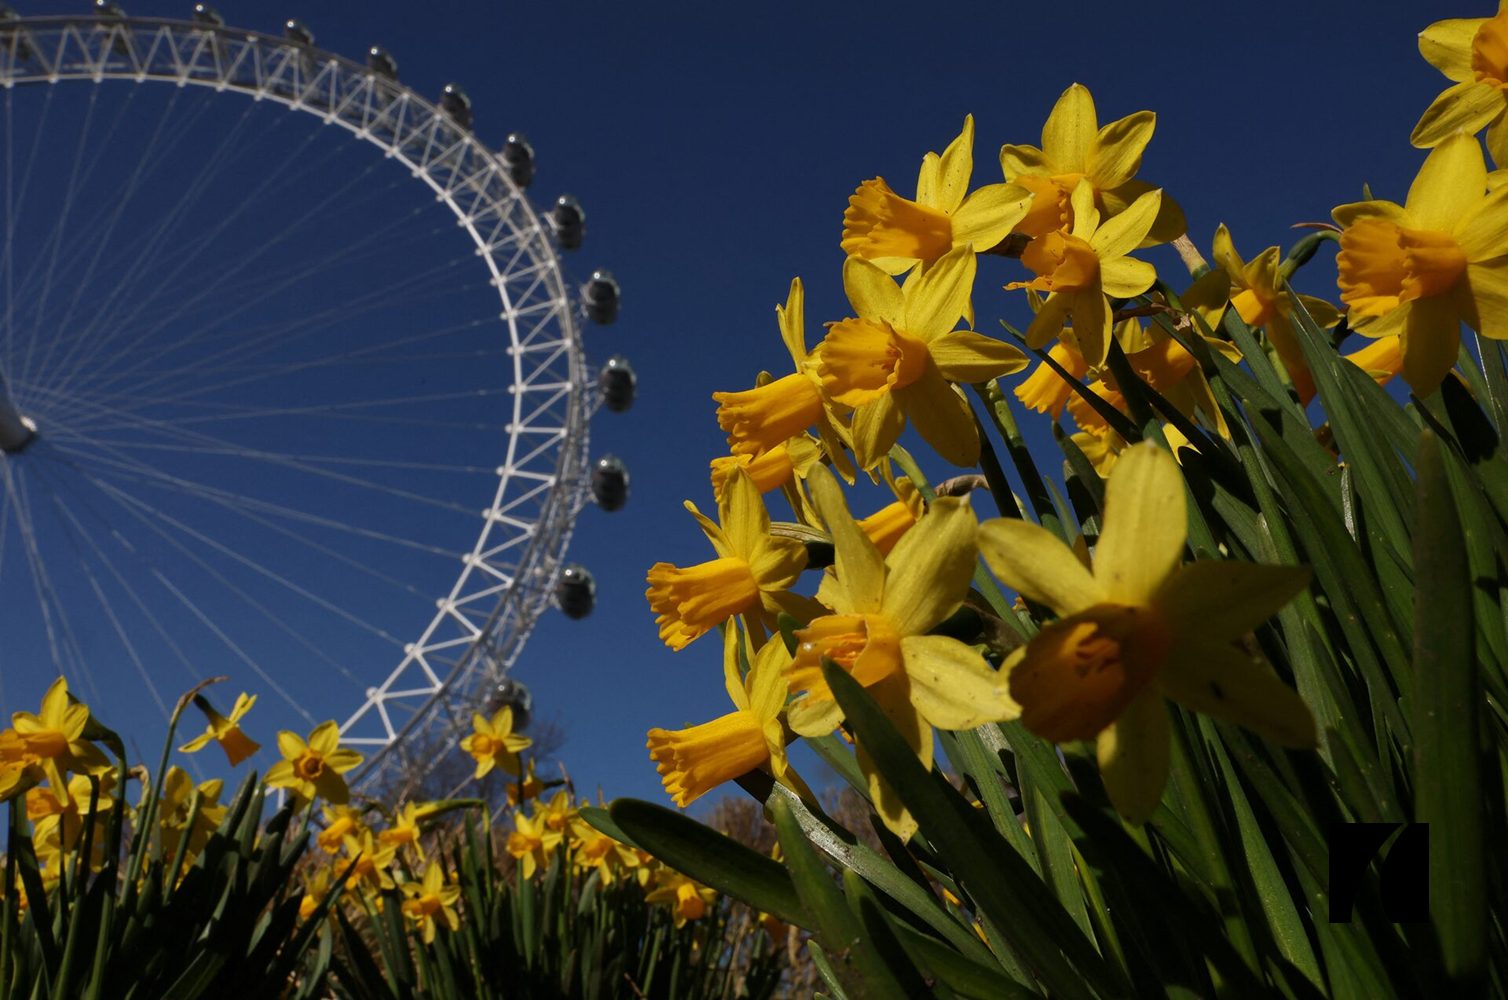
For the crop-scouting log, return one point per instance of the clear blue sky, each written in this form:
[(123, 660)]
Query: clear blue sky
[(714, 147)]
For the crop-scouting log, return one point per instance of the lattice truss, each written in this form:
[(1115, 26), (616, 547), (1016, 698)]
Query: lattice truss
[(506, 581)]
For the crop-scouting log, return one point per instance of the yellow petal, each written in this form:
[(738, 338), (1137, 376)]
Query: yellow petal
[(1170, 222), (791, 318), (1464, 108), (1037, 565), (325, 738), (1146, 524), (1450, 184), (873, 293), (928, 178), (1431, 341), (891, 697), (876, 427), (1124, 277), (1017, 161), (1086, 216), (711, 529), (951, 685), (1118, 149), (1348, 215), (858, 564), (1488, 284), (766, 681), (939, 296), (1497, 142), (1092, 323), (954, 168), (1070, 131), (1122, 233), (964, 356), (927, 574), (1224, 600), (813, 716), (1447, 46), (1047, 325), (941, 416), (1485, 234), (1134, 755), (1227, 257), (745, 521), (1222, 681), (987, 216), (776, 563), (291, 745), (342, 760)]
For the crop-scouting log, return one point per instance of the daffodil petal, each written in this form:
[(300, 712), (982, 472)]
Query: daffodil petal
[(291, 745), (1485, 234), (1124, 277), (777, 562), (1488, 285), (1227, 256), (1446, 45), (1092, 323), (891, 697), (933, 306), (1133, 755), (927, 574), (941, 416), (951, 685), (1069, 133), (876, 427), (1223, 599), (1463, 108), (766, 681), (710, 528), (1349, 214), (325, 738), (987, 215), (745, 522), (1118, 149), (811, 716), (1451, 183), (1146, 525), (1497, 141), (928, 178), (954, 168), (1047, 325), (1431, 342), (1036, 564), (858, 565), (964, 356), (1086, 216), (1124, 232), (1222, 681), (871, 291), (1029, 161), (791, 318)]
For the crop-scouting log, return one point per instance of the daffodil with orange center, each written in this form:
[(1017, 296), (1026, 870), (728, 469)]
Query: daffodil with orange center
[(432, 902), (883, 607), (405, 828), (1140, 627), (1168, 367), (368, 861), (1044, 390), (1419, 270), (493, 743), (188, 810), (340, 822), (761, 419), (531, 842), (1076, 149), (898, 360), (54, 738), (1472, 52), (596, 851), (1081, 269), (750, 576), (224, 730), (1259, 296), (527, 787), (693, 761), (313, 768), (687, 899), (897, 233)]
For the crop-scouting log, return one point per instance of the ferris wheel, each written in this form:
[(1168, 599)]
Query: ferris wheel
[(301, 404)]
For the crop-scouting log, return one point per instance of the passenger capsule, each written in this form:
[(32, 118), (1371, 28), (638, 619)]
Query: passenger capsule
[(617, 383), (610, 482), (600, 297), (381, 62), (576, 591), (569, 222), (518, 157)]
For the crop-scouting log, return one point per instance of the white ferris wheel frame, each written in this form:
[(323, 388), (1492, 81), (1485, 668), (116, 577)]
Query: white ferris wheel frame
[(507, 580)]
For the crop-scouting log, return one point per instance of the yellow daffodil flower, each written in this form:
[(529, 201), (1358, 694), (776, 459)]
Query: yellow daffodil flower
[(1168, 367), (404, 829), (1140, 627), (18, 767), (1044, 390), (369, 862), (596, 851), (897, 360), (54, 739), (1419, 270), (694, 761), (556, 814), (883, 607), (750, 575), (431, 902), (896, 233), (313, 768), (1259, 297), (314, 891), (1075, 149), (67, 808), (763, 418), (528, 788), (225, 731), (687, 899), (340, 822), (531, 843), (1472, 52), (494, 743), (175, 810), (1084, 268)]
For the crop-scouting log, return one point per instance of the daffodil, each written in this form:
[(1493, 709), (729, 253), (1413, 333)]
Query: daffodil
[(1419, 270), (883, 607), (1140, 627), (54, 739), (1260, 298), (431, 902), (898, 359), (1168, 367), (528, 787), (530, 843), (368, 861), (897, 233), (1472, 52), (313, 769), (225, 731), (556, 814), (340, 822), (67, 808), (1044, 390), (750, 575), (596, 851), (763, 418), (405, 830), (1074, 150), (687, 899), (693, 761), (494, 743), (19, 769), (179, 818), (1083, 268)]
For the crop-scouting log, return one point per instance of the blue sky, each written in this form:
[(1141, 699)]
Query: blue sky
[(714, 147)]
